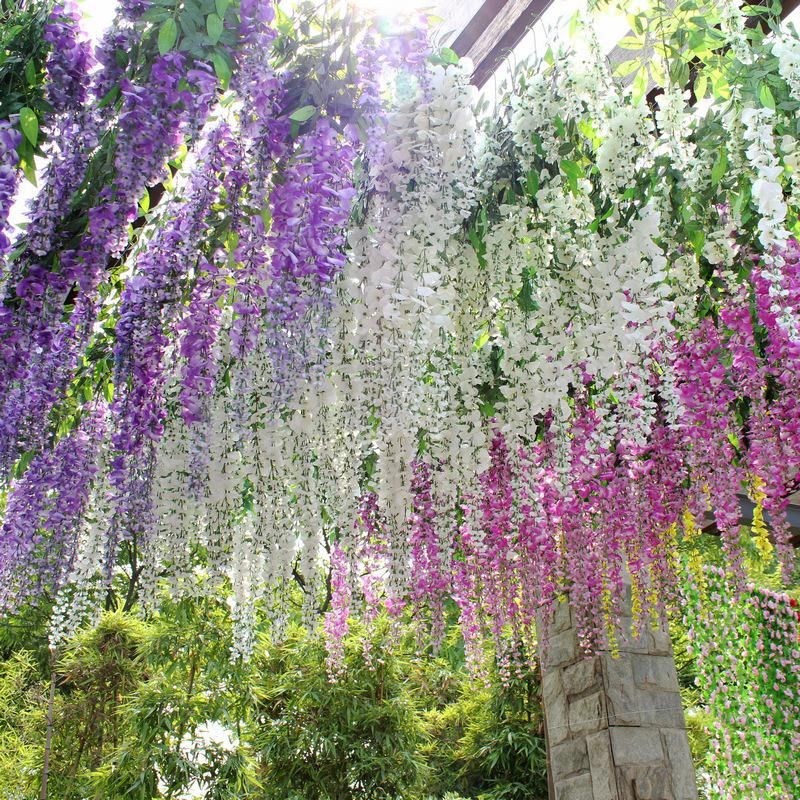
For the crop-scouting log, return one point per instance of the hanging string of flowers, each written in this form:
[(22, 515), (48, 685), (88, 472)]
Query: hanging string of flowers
[(391, 352), (10, 139)]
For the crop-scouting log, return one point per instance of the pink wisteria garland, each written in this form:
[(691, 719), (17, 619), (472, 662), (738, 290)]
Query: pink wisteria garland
[(543, 522)]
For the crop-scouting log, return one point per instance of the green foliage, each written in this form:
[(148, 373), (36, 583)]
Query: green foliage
[(135, 701), (23, 53), (489, 743), (100, 668), (322, 740), (20, 738), (699, 724), (188, 685)]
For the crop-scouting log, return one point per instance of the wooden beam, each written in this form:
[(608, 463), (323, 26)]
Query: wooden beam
[(495, 29), (789, 6), (498, 26), (746, 507)]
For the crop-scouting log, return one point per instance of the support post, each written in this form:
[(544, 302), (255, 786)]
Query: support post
[(615, 725)]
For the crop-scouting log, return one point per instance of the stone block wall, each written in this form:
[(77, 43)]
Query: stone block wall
[(615, 726)]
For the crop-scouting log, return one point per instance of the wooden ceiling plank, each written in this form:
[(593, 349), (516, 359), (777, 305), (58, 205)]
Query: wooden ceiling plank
[(477, 26), (493, 32)]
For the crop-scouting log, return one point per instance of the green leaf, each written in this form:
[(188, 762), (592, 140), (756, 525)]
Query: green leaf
[(302, 114), (283, 22), (222, 7), (167, 35), (697, 238), (222, 68), (573, 171), (766, 97), (214, 26), (598, 221), (111, 95), (679, 72), (532, 184), (30, 72), (22, 464), (155, 15), (700, 87), (625, 68), (482, 339), (29, 124), (29, 170), (639, 85), (448, 55), (720, 165), (630, 43), (743, 198)]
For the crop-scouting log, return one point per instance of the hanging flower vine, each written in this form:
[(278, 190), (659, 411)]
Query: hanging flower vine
[(289, 311)]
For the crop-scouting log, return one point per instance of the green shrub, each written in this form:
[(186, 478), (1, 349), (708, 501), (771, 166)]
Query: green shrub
[(489, 743), (20, 734), (355, 739)]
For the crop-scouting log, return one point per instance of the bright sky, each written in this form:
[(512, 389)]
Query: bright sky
[(97, 15)]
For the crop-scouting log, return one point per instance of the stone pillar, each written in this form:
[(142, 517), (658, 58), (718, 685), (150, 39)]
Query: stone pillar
[(615, 726)]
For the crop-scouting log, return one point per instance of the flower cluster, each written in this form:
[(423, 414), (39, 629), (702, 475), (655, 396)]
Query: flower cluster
[(309, 209), (44, 515), (787, 50), (10, 138), (767, 190), (149, 310), (70, 61), (43, 345), (510, 371)]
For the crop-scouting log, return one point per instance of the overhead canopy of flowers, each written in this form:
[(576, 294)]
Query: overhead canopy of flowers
[(291, 309)]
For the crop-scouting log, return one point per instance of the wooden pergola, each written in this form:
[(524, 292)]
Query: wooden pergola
[(486, 31)]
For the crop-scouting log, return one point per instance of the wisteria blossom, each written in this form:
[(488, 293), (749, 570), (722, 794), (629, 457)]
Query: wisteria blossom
[(347, 344)]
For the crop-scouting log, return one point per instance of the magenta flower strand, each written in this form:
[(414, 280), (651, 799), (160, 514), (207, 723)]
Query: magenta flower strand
[(710, 432), (430, 568), (335, 623)]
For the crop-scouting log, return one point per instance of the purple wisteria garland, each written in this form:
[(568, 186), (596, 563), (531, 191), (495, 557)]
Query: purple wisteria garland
[(42, 346), (9, 177)]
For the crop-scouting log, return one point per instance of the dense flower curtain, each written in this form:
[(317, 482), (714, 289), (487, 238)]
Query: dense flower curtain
[(747, 646), (290, 310)]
